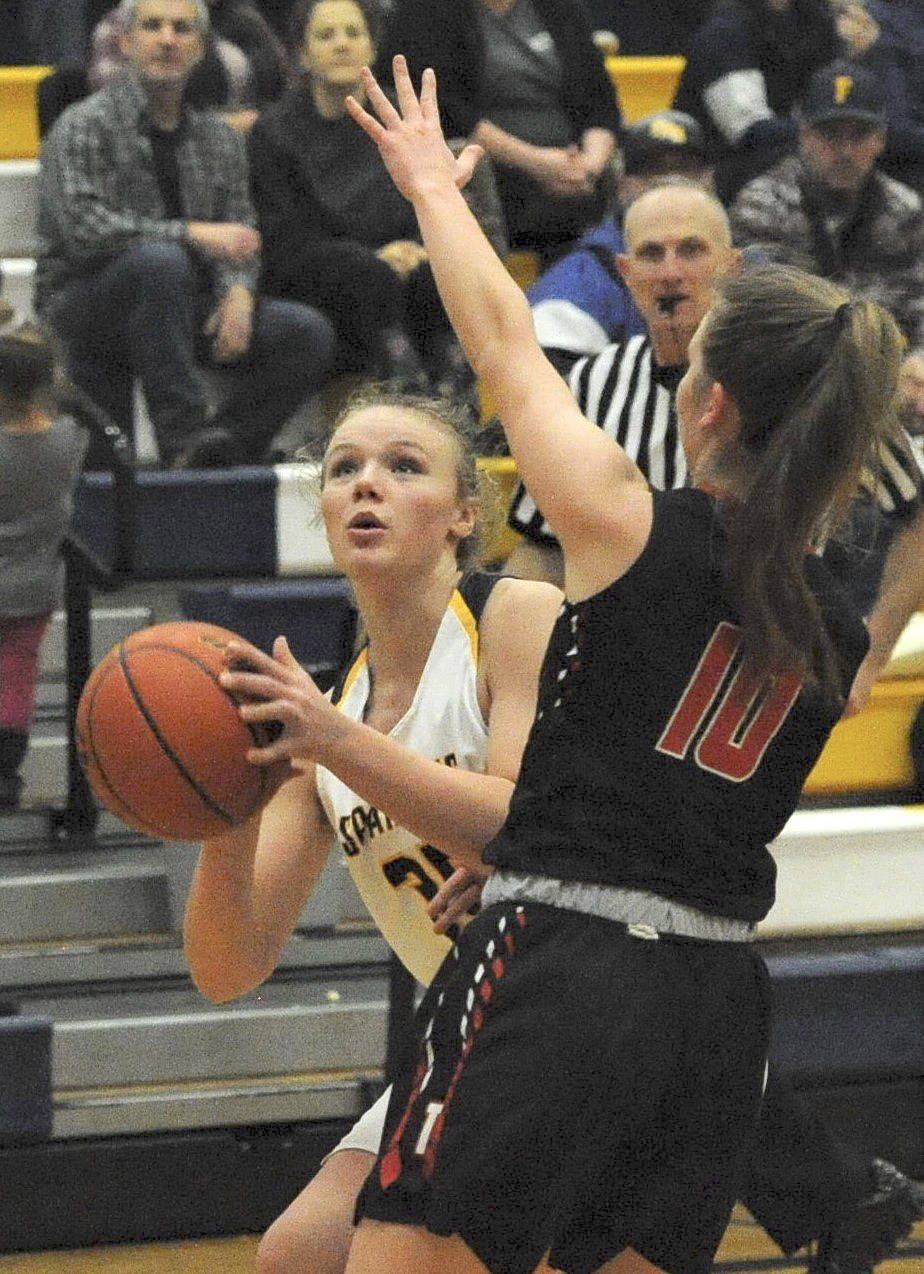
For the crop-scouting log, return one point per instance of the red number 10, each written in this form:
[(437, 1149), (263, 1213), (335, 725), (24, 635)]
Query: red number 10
[(742, 723)]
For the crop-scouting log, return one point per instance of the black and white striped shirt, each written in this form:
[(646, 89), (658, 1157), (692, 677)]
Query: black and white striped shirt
[(623, 391), (898, 484)]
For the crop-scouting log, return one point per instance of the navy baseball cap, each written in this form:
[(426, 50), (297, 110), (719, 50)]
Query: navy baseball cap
[(659, 136), (843, 91)]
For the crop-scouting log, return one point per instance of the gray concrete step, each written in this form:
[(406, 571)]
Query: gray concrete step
[(130, 1059), (327, 1022), (99, 896), (284, 1099), (18, 207), (108, 625)]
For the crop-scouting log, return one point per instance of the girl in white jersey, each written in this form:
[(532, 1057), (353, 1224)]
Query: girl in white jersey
[(445, 685)]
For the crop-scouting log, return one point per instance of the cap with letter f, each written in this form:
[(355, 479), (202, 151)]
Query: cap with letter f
[(843, 91)]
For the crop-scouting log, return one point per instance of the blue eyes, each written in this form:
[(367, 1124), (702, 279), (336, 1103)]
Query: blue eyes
[(400, 464)]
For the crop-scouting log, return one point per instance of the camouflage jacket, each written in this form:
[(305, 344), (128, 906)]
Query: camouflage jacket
[(876, 251)]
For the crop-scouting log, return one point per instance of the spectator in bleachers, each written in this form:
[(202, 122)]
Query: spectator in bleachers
[(335, 231), (526, 81), (828, 209), (888, 39), (243, 66), (150, 258), (746, 68), (581, 303), (40, 457), (678, 244)]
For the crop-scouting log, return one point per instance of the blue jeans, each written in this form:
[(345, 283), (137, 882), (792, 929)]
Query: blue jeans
[(142, 315)]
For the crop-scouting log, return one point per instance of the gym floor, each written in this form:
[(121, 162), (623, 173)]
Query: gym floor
[(745, 1250)]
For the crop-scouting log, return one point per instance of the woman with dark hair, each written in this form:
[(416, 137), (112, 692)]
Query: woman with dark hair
[(589, 1071), (336, 234), (746, 68), (525, 80)]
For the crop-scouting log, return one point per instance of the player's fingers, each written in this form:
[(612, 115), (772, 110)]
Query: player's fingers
[(404, 89), (243, 654), (466, 163), (429, 106), (272, 754), (367, 122), (460, 879), (379, 100), (459, 907), (249, 661), (282, 653)]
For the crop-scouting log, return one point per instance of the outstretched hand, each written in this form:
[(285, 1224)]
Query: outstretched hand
[(409, 137), (275, 688)]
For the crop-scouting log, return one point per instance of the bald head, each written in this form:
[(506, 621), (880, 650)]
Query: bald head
[(678, 242), (674, 206)]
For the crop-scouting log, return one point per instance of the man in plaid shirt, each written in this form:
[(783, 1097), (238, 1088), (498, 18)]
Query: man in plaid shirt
[(150, 258)]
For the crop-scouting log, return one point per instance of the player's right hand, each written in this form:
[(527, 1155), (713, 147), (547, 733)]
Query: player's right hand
[(459, 895)]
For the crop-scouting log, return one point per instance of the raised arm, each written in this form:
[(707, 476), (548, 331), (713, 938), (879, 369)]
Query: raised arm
[(591, 493), (901, 593)]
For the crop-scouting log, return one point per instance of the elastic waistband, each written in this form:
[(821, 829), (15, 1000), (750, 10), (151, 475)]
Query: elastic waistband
[(646, 915)]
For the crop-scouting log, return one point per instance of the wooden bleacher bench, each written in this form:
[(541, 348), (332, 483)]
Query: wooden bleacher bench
[(19, 133), (644, 84), (870, 752)]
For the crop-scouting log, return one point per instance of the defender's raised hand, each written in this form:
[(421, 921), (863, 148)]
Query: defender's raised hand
[(409, 137)]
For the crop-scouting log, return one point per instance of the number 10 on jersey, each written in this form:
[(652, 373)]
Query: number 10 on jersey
[(735, 725)]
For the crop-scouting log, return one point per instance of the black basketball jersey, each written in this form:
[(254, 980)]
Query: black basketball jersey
[(654, 761)]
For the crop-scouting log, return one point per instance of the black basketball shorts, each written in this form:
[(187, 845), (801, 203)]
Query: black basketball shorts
[(578, 1090)]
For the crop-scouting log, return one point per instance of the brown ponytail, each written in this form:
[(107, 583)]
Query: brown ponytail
[(813, 375)]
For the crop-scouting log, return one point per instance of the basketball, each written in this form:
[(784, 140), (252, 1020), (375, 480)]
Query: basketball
[(162, 742)]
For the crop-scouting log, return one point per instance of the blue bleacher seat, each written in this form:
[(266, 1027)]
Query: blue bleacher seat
[(25, 1093), (317, 615)]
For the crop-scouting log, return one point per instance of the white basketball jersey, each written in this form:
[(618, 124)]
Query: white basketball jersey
[(396, 875)]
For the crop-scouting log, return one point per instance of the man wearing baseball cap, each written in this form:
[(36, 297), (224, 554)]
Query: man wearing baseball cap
[(581, 304), (828, 208)]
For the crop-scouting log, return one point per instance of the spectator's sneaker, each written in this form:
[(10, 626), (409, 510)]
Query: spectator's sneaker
[(874, 1228)]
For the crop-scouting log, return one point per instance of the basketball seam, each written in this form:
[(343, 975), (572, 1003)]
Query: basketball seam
[(145, 823), (256, 730), (181, 769)]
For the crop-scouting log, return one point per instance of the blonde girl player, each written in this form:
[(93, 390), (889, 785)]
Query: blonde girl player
[(448, 670), (592, 1063)]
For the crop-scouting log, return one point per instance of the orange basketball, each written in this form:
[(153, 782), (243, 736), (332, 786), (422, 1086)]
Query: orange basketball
[(162, 742)]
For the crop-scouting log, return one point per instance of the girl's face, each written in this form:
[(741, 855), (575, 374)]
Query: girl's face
[(390, 495), (337, 43)]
